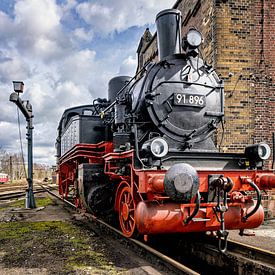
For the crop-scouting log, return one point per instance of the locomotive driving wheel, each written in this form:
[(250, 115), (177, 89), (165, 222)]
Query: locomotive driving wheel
[(126, 212)]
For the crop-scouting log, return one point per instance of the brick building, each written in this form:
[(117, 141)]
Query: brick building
[(239, 41)]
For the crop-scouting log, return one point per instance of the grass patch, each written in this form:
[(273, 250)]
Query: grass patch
[(13, 204), (40, 202), (60, 247)]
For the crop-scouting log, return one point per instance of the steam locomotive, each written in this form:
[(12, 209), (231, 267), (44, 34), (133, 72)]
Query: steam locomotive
[(147, 153)]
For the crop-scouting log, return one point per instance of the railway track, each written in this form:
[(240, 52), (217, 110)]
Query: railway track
[(22, 185), (9, 187), (253, 253), (241, 258), (199, 252), (14, 195), (19, 190)]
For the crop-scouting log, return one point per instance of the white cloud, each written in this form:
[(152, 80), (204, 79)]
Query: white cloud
[(6, 26), (44, 155), (10, 139), (36, 31), (70, 94), (13, 68), (79, 66), (37, 17), (106, 16), (82, 34), (128, 66)]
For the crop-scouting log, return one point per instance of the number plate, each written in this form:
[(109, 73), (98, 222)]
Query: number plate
[(189, 100)]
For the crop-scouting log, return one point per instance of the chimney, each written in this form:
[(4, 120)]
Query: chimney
[(168, 32)]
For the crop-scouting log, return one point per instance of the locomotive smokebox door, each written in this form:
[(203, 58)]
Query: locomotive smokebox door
[(181, 182)]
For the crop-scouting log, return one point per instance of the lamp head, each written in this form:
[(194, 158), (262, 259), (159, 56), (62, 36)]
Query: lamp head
[(258, 152), (18, 86), (192, 41)]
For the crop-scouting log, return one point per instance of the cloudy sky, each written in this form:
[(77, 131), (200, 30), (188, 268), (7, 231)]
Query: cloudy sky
[(65, 51)]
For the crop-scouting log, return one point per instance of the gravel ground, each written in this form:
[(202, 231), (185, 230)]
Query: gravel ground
[(50, 240)]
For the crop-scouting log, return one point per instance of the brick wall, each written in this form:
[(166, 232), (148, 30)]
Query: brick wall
[(264, 69), (233, 27)]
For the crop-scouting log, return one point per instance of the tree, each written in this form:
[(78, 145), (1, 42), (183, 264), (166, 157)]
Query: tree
[(12, 165)]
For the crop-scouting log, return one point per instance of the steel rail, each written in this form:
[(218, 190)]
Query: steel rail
[(4, 188), (8, 186), (246, 250), (15, 195), (252, 252), (12, 193), (239, 256)]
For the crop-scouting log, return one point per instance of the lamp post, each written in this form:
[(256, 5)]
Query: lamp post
[(26, 109)]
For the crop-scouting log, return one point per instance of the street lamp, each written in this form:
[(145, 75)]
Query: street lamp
[(26, 109), (18, 86)]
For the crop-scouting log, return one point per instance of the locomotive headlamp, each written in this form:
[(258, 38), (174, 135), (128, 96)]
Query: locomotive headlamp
[(258, 152), (158, 147), (194, 38)]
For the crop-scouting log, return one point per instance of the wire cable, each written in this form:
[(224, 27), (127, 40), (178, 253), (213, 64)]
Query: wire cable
[(21, 145)]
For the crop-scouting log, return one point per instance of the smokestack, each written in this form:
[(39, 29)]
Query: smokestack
[(168, 32)]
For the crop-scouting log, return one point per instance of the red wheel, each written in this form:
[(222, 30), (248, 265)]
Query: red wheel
[(127, 212)]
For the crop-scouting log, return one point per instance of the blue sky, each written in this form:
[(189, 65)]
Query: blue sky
[(65, 51)]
